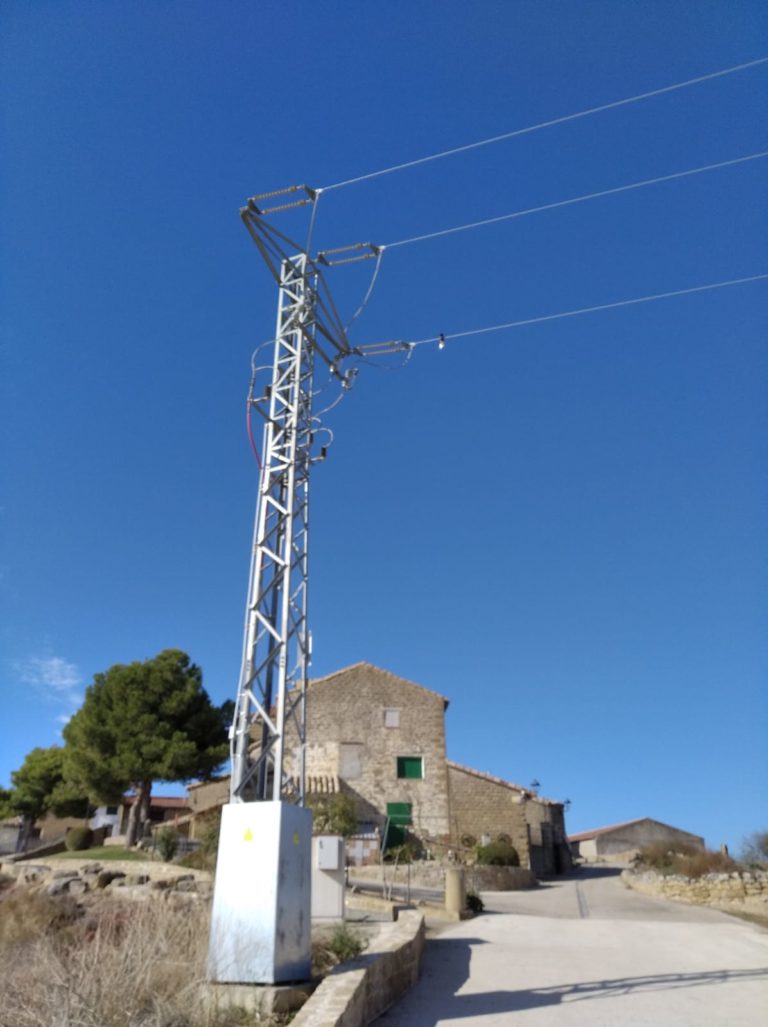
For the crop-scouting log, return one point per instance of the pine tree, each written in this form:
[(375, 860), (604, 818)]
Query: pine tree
[(144, 722)]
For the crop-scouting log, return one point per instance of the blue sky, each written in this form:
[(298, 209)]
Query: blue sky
[(559, 527)]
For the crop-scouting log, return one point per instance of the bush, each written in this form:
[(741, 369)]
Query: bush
[(474, 902), (344, 944), (684, 860), (400, 854), (167, 843), (754, 849), (78, 838), (498, 854), (204, 858), (333, 814)]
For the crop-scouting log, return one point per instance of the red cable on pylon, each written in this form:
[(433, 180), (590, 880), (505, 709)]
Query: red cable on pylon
[(249, 427)]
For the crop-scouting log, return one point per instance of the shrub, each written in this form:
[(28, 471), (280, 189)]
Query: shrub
[(204, 858), (685, 860), (78, 838), (167, 843), (400, 854), (333, 814), (344, 944), (754, 849), (498, 854), (474, 902)]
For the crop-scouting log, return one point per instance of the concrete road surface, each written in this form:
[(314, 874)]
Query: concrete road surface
[(586, 951)]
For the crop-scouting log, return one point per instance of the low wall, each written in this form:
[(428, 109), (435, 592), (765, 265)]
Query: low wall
[(738, 891), (429, 874), (356, 993)]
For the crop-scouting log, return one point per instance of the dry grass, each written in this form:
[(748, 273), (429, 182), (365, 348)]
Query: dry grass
[(114, 964), (686, 861)]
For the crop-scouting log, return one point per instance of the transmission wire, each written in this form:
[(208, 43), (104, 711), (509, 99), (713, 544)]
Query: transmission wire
[(588, 310), (576, 199), (546, 124)]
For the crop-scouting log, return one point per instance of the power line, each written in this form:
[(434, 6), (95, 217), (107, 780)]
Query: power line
[(546, 124), (576, 199), (586, 310)]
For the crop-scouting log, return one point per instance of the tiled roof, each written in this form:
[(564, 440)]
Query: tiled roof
[(585, 835), (500, 781), (161, 801), (364, 665)]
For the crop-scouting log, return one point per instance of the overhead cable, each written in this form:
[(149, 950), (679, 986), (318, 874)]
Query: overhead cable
[(577, 199), (586, 310), (546, 124)]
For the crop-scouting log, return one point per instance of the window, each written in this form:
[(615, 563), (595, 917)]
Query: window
[(410, 766), (391, 718), (350, 764)]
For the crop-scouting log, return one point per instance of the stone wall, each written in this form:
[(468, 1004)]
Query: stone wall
[(745, 891), (356, 993), (346, 711), (481, 806), (430, 874)]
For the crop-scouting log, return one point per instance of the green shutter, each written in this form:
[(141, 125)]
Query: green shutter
[(399, 813), (410, 767)]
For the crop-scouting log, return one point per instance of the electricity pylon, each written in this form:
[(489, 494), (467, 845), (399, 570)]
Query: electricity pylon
[(276, 646), (261, 903)]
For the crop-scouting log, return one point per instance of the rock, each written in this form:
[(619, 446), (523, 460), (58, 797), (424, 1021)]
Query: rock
[(136, 879), (60, 875), (90, 868), (60, 886), (162, 885), (185, 884), (77, 886), (106, 877)]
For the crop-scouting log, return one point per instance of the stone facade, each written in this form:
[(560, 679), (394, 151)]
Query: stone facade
[(623, 840), (381, 740), (487, 808)]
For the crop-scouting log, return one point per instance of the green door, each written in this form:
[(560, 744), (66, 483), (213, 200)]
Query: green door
[(399, 815)]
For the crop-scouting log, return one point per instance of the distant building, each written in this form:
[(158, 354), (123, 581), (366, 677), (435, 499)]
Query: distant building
[(381, 740), (620, 840)]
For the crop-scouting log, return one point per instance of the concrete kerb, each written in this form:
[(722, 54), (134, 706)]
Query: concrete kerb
[(354, 994)]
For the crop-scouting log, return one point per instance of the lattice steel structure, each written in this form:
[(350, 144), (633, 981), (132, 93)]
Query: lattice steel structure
[(276, 648)]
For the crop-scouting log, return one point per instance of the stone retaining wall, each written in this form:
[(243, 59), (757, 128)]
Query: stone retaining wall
[(738, 891), (430, 874), (358, 992)]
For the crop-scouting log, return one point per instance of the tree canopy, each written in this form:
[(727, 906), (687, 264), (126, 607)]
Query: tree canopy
[(142, 722), (39, 785)]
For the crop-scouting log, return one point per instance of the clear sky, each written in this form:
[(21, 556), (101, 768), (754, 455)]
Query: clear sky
[(559, 527)]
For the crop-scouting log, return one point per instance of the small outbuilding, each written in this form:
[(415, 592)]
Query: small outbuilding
[(619, 840)]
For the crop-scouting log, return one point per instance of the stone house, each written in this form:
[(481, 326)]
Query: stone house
[(623, 840), (381, 740), (485, 808)]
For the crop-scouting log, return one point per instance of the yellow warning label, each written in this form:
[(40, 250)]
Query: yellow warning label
[(295, 837), (248, 836)]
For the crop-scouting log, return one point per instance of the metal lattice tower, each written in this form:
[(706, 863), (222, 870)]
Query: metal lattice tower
[(276, 648)]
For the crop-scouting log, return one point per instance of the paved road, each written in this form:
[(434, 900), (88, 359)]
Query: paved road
[(586, 952)]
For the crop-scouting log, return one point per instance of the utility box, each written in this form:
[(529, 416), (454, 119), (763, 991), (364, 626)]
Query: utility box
[(328, 874), (260, 921)]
